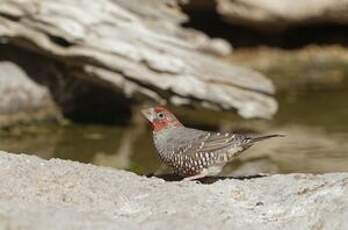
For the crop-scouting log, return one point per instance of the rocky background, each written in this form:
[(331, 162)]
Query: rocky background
[(140, 53), (127, 55)]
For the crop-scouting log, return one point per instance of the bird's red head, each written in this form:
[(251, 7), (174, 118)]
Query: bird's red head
[(160, 118)]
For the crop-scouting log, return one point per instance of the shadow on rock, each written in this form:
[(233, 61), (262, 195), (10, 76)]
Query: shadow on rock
[(205, 180)]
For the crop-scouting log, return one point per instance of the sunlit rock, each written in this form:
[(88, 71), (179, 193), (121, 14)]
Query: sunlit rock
[(58, 194)]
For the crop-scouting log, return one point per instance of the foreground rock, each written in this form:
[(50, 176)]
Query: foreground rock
[(137, 49), (57, 194), (22, 100)]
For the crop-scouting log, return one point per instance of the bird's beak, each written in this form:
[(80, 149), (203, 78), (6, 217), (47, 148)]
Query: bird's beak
[(149, 114)]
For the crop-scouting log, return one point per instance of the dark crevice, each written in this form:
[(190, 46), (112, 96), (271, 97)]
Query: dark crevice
[(211, 23), (60, 41), (10, 17), (99, 105)]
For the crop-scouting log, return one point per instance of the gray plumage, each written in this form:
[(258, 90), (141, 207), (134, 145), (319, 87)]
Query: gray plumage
[(194, 153), (189, 151)]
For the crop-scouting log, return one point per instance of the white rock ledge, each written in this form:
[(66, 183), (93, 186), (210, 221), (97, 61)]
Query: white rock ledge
[(59, 194)]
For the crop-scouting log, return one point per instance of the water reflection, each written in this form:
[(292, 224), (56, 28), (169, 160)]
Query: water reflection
[(315, 124)]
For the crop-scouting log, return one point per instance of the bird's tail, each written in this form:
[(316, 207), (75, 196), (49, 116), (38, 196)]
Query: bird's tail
[(257, 139)]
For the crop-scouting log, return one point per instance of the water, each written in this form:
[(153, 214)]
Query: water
[(315, 123)]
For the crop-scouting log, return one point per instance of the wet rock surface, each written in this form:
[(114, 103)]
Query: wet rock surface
[(310, 68), (281, 14), (58, 194)]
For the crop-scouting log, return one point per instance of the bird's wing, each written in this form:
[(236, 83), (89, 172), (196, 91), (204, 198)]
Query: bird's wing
[(218, 141), (214, 144)]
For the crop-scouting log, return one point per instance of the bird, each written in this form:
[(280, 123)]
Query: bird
[(193, 153)]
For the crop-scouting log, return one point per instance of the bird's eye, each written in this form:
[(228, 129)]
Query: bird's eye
[(160, 115)]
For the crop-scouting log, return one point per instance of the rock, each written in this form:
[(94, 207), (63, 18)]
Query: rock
[(274, 14), (137, 49), (58, 194), (312, 67), (22, 99), (261, 166)]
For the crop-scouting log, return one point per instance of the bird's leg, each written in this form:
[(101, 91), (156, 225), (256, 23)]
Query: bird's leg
[(202, 174)]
